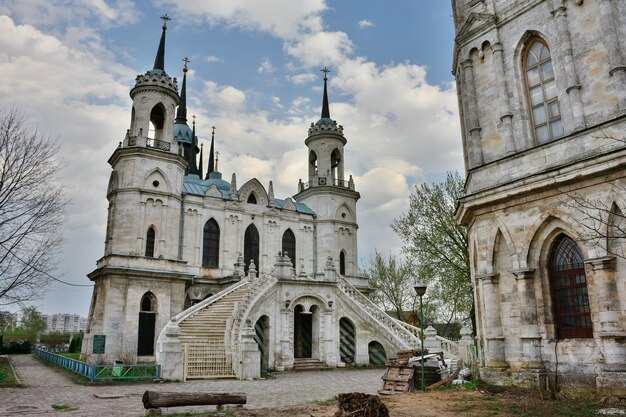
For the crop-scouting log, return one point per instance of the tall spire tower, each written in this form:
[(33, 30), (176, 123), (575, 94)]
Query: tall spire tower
[(327, 191)]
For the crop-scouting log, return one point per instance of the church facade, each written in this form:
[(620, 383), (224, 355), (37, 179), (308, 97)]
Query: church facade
[(542, 98), (210, 279)]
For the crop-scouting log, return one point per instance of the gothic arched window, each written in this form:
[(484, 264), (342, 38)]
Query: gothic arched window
[(157, 118), (251, 199), (251, 246), (342, 263), (211, 244), (150, 242), (568, 287), (543, 99), (289, 244)]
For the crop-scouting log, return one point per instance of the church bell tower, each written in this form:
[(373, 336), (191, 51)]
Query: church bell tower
[(329, 194)]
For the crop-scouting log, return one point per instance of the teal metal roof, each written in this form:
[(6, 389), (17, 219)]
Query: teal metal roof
[(182, 133), (192, 184)]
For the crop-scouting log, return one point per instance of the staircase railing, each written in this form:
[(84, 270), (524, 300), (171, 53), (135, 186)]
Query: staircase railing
[(185, 314), (384, 320)]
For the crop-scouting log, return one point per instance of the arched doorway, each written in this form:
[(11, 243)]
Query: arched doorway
[(251, 246), (377, 353), (347, 340), (302, 333), (262, 338), (145, 330)]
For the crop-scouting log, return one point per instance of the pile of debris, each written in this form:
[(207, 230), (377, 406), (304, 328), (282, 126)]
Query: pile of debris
[(357, 404), (404, 373)]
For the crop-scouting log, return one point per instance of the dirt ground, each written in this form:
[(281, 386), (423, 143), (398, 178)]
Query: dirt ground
[(453, 403)]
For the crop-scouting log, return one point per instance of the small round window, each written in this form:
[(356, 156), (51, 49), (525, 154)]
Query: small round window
[(343, 215), (155, 183)]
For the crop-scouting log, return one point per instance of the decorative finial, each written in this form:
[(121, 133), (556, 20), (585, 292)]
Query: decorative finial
[(186, 61), (165, 18), (213, 134), (325, 70), (217, 158), (194, 119)]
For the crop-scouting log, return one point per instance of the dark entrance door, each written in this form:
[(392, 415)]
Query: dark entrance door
[(145, 337), (303, 333)]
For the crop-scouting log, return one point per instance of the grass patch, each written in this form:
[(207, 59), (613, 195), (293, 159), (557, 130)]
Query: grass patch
[(60, 407), (75, 356), (7, 378), (331, 400)]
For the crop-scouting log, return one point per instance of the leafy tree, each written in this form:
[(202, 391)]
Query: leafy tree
[(438, 247), (31, 209), (32, 320), (392, 280)]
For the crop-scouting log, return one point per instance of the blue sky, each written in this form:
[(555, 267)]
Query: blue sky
[(254, 74)]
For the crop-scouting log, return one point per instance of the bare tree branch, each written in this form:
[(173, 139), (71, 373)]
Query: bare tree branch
[(32, 209)]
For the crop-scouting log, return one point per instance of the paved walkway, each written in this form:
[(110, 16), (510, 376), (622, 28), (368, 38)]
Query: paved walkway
[(45, 386)]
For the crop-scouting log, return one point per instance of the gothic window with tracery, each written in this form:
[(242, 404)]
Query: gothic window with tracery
[(542, 93), (211, 244), (568, 287)]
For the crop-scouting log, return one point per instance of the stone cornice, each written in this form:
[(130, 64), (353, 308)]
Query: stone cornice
[(492, 278), (605, 263), (524, 273)]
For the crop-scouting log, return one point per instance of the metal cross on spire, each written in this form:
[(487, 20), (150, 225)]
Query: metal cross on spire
[(186, 61), (165, 18), (325, 70)]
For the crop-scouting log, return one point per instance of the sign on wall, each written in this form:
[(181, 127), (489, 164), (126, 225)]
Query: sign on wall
[(99, 340)]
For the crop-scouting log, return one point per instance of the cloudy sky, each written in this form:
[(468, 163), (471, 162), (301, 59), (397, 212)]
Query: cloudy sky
[(254, 74)]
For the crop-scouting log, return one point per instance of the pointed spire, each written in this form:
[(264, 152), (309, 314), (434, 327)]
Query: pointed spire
[(211, 167), (201, 157), (233, 187), (181, 113), (270, 195), (325, 107), (159, 61)]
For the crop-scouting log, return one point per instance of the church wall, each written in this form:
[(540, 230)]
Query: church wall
[(513, 240), (593, 102)]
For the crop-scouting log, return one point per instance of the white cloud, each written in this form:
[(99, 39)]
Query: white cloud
[(87, 13), (266, 66), (320, 48), (282, 18), (365, 24), (303, 78), (213, 58)]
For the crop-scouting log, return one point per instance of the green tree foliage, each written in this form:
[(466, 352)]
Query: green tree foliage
[(438, 247), (32, 320), (392, 282), (77, 343)]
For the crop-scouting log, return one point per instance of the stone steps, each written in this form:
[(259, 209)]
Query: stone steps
[(308, 364)]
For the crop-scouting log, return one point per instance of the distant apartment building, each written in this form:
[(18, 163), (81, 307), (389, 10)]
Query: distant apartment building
[(64, 323)]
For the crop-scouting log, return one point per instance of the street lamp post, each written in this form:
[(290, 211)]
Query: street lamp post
[(420, 290)]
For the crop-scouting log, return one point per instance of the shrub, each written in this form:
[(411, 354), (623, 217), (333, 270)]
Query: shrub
[(16, 347), (77, 343)]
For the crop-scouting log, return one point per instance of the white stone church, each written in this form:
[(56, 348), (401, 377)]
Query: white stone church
[(209, 279), (542, 97)]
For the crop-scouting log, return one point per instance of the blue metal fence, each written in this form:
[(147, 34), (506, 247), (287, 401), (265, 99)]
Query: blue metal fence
[(95, 372)]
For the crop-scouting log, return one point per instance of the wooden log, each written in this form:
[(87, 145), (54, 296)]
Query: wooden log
[(156, 399)]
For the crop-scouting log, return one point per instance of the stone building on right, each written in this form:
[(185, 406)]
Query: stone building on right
[(542, 99)]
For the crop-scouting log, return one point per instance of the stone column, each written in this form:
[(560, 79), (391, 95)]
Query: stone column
[(494, 338), (529, 329), (284, 353), (506, 115), (611, 333), (571, 78), (617, 64), (331, 342), (250, 355), (604, 286), (470, 110)]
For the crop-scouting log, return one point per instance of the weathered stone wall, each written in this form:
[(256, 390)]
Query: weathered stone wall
[(519, 193)]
